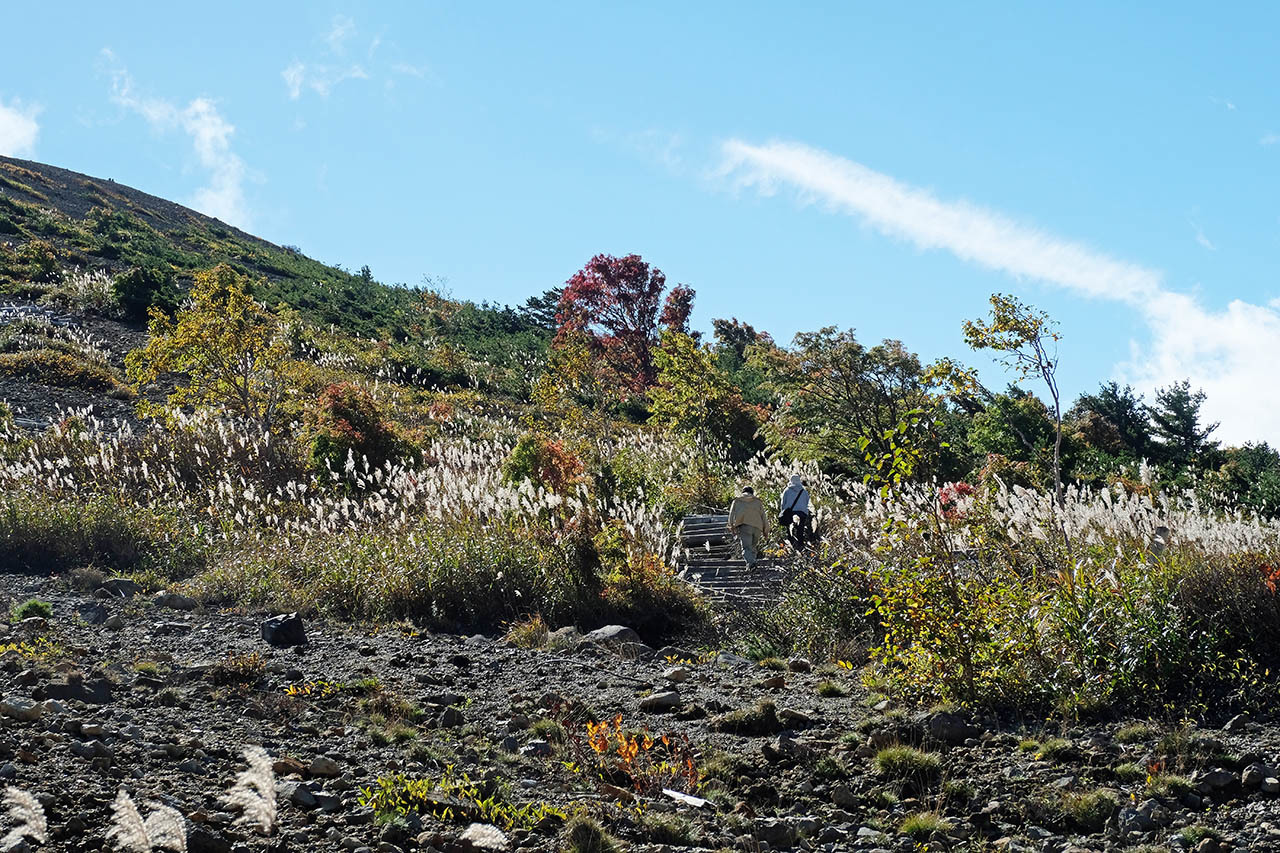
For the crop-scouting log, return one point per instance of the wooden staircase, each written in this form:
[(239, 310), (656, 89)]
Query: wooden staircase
[(710, 559)]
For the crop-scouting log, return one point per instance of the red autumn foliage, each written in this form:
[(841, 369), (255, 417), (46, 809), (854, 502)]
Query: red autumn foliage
[(618, 303)]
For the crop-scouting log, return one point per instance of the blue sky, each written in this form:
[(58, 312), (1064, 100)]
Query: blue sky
[(879, 166)]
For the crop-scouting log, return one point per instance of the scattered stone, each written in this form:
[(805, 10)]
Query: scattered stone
[(324, 766), (119, 588), (1271, 785), (23, 710), (537, 748), (450, 718), (93, 613), (175, 601), (635, 651), (667, 700), (677, 675), (284, 631), (950, 728), (612, 635), (800, 665), (1236, 723), (1254, 775)]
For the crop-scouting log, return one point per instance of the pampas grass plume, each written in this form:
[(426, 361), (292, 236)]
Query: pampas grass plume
[(28, 814), (254, 791)]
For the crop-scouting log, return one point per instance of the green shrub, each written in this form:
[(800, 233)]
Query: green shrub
[(753, 722), (1089, 811), (346, 427), (907, 762), (667, 829), (1134, 733), (584, 835), (62, 370), (921, 825), (1128, 771), (42, 534), (142, 287), (31, 608), (1168, 785), (831, 689)]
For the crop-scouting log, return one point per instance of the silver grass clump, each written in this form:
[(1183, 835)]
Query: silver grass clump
[(254, 792), (28, 814), (164, 828)]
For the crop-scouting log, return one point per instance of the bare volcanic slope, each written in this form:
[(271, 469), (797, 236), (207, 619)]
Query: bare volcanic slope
[(53, 220)]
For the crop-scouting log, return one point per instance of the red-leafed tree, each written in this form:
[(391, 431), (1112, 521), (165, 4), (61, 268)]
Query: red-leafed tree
[(619, 304)]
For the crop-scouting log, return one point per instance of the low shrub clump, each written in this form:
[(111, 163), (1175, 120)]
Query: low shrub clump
[(61, 370), (907, 762), (1090, 810), (30, 609)]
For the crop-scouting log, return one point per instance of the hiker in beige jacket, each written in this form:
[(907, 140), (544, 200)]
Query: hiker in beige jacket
[(748, 520)]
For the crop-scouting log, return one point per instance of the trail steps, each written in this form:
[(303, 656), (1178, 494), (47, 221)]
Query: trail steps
[(710, 559)]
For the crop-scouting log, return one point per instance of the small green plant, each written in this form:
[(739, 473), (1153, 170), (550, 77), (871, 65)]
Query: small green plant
[(921, 825), (1168, 785), (831, 689), (30, 609), (1089, 810), (584, 835), (146, 667), (244, 669), (906, 762), (957, 791), (1197, 832), (398, 796), (1056, 749), (667, 829), (1129, 772), (1134, 733), (830, 767), (531, 633), (754, 722), (776, 664), (1029, 745)]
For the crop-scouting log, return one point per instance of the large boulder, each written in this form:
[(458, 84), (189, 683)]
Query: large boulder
[(284, 631), (613, 635)]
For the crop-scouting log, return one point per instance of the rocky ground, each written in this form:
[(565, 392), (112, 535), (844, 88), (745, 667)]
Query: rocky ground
[(159, 697)]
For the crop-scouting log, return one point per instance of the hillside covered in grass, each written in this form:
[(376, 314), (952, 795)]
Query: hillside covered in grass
[(284, 435)]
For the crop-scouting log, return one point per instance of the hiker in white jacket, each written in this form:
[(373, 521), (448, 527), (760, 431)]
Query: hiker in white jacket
[(793, 513)]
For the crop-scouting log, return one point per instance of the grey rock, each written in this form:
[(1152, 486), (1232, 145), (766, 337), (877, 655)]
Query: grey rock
[(284, 631), (324, 766), (1254, 775), (17, 708), (93, 613), (175, 601), (950, 728), (612, 635), (677, 675), (538, 748), (1133, 820), (667, 700), (1271, 785), (451, 718), (120, 588), (800, 665), (1236, 723), (298, 794)]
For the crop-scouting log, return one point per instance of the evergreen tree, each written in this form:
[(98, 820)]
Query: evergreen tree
[(1124, 410), (1180, 440)]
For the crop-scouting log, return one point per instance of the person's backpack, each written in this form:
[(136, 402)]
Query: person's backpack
[(784, 518)]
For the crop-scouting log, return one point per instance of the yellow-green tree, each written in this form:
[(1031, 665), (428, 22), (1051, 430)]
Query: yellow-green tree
[(227, 350), (694, 396), (1026, 342)]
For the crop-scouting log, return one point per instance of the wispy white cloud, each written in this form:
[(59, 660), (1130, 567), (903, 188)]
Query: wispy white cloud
[(662, 147), (319, 78), (1229, 353), (222, 195), (341, 29), (1201, 239), (1269, 139), (19, 128)]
